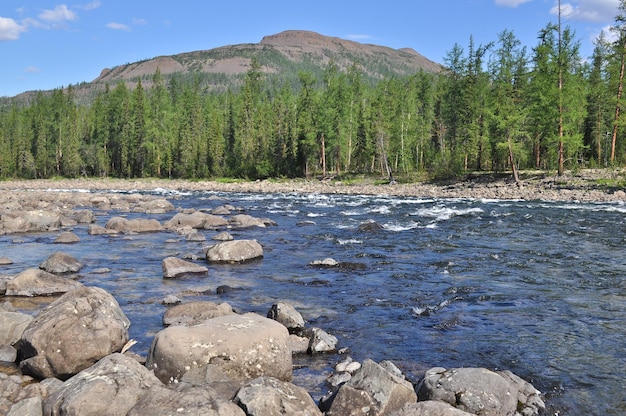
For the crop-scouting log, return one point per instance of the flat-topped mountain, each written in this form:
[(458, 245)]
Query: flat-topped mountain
[(278, 54)]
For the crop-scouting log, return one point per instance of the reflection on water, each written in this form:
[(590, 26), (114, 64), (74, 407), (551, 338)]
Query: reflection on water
[(534, 287)]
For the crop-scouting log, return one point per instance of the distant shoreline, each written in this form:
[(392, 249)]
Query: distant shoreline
[(584, 186)]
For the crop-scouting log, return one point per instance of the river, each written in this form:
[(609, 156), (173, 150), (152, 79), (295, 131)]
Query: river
[(538, 288)]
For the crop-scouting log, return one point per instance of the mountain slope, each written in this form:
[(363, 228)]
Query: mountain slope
[(281, 57), (279, 53)]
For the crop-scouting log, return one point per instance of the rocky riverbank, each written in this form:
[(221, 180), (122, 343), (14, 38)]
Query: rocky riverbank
[(591, 185), (226, 363)]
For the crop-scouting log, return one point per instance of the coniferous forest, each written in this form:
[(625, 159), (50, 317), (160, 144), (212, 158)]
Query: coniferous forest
[(498, 107)]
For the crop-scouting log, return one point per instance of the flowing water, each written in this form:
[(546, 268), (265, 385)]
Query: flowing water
[(538, 288)]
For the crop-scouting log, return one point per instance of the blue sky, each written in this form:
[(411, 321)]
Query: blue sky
[(51, 44)]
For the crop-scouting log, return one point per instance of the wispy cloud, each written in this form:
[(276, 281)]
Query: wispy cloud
[(59, 14), (32, 69), (10, 29), (137, 21), (510, 3), (118, 26), (593, 11), (91, 6)]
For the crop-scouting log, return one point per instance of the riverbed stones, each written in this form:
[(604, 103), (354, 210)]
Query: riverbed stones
[(194, 313), (37, 282), (136, 225), (320, 341), (430, 408), (242, 346), (372, 390), (72, 333), (112, 386), (235, 251), (174, 267), (269, 396), (59, 263), (481, 391), (245, 221)]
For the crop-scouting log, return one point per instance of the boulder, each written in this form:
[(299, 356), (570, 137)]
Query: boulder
[(37, 282), (137, 225), (66, 237), (320, 341), (241, 346), (197, 220), (84, 216), (60, 262), (32, 406), (72, 333), (269, 396), (184, 400), (370, 226), (155, 205), (245, 221), (175, 267), (287, 315), (95, 229), (112, 386), (193, 313), (8, 354), (234, 251), (12, 325), (223, 236), (429, 408), (5, 261), (42, 220), (374, 388), (481, 391)]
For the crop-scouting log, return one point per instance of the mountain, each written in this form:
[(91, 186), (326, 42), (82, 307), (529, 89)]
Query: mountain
[(281, 56)]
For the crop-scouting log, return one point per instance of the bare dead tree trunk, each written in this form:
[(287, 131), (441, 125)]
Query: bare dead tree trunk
[(512, 162)]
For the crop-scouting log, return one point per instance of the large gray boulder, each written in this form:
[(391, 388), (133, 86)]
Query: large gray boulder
[(67, 237), (234, 251), (241, 346), (112, 387), (175, 267), (194, 313), (373, 387), (184, 400), (72, 333), (269, 396), (137, 225), (481, 391), (60, 262), (37, 282)]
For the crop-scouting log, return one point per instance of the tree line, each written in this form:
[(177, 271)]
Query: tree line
[(498, 107)]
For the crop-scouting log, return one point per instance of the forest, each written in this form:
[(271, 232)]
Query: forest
[(496, 107)]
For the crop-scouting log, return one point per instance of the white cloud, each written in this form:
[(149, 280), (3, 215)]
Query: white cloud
[(58, 15), (118, 26), (10, 29), (593, 11), (91, 6), (32, 69), (510, 3)]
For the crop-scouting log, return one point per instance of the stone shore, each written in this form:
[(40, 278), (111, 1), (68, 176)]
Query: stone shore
[(583, 186)]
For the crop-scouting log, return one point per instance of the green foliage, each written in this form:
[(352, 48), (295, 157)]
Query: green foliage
[(496, 107)]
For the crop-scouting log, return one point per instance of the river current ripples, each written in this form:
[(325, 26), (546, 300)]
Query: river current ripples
[(538, 288)]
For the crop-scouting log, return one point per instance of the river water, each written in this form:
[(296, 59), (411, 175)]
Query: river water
[(538, 288)]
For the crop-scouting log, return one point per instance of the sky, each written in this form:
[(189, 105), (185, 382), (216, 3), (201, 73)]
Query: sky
[(51, 44)]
